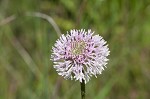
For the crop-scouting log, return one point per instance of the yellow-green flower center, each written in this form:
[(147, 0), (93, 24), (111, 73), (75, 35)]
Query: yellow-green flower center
[(78, 47)]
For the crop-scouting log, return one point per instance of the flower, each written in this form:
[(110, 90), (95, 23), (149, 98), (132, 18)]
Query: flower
[(79, 55)]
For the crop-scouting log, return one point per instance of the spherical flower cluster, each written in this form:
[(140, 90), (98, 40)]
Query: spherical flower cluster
[(79, 54)]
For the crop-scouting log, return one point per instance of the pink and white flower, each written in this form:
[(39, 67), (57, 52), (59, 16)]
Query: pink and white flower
[(79, 55)]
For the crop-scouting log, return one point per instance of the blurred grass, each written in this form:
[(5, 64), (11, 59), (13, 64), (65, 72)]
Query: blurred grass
[(25, 44)]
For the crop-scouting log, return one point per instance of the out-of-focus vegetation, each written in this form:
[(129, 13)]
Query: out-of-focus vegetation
[(25, 43)]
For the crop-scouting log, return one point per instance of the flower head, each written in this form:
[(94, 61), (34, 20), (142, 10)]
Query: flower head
[(79, 54)]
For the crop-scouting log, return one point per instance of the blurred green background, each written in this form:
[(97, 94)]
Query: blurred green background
[(26, 40)]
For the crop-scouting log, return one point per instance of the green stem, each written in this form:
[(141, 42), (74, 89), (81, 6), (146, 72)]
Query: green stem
[(82, 89)]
